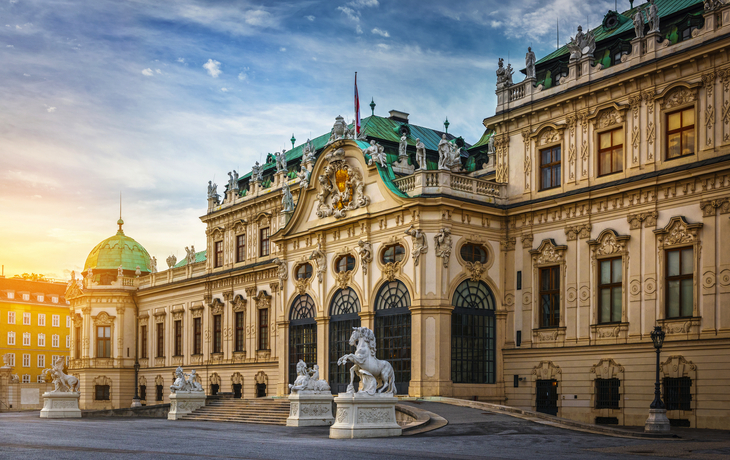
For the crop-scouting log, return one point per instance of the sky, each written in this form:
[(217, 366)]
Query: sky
[(154, 99)]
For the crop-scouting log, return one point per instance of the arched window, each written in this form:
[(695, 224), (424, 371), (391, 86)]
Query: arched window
[(304, 271), (344, 310), (345, 263), (472, 334), (393, 330), (471, 252), (302, 334), (393, 253)]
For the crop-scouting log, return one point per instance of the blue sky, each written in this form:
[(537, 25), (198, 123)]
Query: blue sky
[(153, 99)]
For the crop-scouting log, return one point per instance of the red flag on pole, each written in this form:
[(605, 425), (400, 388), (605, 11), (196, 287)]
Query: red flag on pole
[(357, 109)]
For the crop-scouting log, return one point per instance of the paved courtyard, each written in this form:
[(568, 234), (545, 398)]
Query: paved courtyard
[(471, 433)]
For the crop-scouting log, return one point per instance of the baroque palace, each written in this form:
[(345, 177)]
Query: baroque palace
[(528, 268)]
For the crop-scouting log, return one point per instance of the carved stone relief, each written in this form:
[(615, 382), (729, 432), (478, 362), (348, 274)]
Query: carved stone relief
[(341, 187), (547, 370), (679, 96)]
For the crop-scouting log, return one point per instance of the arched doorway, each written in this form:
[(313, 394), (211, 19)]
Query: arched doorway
[(302, 334), (393, 330), (473, 333), (344, 310)]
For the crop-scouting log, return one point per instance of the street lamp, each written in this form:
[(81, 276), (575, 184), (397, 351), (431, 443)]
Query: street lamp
[(657, 421)]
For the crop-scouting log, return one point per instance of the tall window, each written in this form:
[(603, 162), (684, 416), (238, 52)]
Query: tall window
[(677, 393), (41, 340), (11, 361), (11, 338), (101, 392), (160, 340), (103, 342), (26, 339), (55, 321), (41, 361), (264, 242), (217, 333), (550, 168), (178, 338), (239, 331), (240, 248), (344, 316), (472, 334), (218, 254), (264, 329), (611, 152), (158, 393), (77, 343), (143, 392), (680, 267), (143, 341), (11, 317), (681, 133), (26, 359), (609, 290), (26, 319), (302, 334), (41, 319), (393, 331), (55, 340), (197, 336), (607, 393), (550, 296)]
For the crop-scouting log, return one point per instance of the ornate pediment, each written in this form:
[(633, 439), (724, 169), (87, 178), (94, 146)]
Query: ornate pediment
[(546, 370), (73, 289), (239, 225), (608, 243), (341, 187), (216, 232), (679, 96), (103, 319), (548, 252), (677, 366), (677, 231), (607, 369), (263, 300), (549, 136), (239, 303), (607, 117), (216, 306)]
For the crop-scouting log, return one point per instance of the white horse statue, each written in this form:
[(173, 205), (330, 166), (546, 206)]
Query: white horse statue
[(373, 372), (61, 381)]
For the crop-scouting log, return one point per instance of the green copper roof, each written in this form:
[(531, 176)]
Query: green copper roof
[(484, 140), (118, 250), (199, 257), (665, 8)]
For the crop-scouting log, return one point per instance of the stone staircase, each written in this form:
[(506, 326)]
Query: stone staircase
[(262, 411)]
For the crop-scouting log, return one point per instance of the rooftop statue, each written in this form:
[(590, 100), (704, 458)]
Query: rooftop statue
[(711, 5), (421, 154), (449, 155), (490, 145), (257, 174), (652, 17), (403, 146), (308, 152), (153, 264), (62, 383), (281, 161), (503, 80), (638, 24), (375, 374), (213, 191), (287, 201), (530, 63), (6, 360), (377, 154), (304, 175), (120, 271), (308, 381), (171, 261), (190, 257), (582, 44)]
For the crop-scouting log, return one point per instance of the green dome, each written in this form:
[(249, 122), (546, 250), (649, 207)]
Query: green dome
[(118, 250)]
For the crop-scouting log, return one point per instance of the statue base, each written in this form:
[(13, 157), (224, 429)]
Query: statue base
[(363, 416), (61, 405), (184, 402), (310, 410), (657, 421)]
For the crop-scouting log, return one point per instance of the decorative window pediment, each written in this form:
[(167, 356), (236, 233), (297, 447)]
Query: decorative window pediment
[(548, 253), (678, 96), (239, 225), (239, 303), (263, 300), (607, 368), (607, 115), (216, 306), (609, 243), (216, 232), (547, 370), (677, 366), (104, 319), (678, 231)]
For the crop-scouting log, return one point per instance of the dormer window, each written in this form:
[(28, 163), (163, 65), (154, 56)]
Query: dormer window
[(11, 295), (54, 299), (26, 296), (40, 297)]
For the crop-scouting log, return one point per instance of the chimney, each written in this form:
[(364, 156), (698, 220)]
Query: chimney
[(398, 116)]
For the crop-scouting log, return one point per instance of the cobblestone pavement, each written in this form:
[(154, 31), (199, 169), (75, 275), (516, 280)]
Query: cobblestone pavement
[(470, 434)]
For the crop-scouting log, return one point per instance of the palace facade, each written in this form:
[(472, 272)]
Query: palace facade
[(527, 269)]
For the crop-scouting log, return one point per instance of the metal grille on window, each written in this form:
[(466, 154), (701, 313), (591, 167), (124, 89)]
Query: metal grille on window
[(344, 310), (677, 393), (302, 334), (393, 331), (472, 334), (607, 393), (546, 396)]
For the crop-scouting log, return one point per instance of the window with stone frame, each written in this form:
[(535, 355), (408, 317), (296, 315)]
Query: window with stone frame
[(680, 133), (11, 359), (178, 338), (217, 334), (304, 271), (218, 251), (472, 252), (239, 337), (611, 152), (677, 393), (345, 263), (41, 340), (160, 340), (26, 339), (197, 336), (26, 359), (550, 168), (393, 253), (55, 321), (264, 242), (610, 290), (41, 319), (240, 248), (26, 319), (26, 378), (11, 338), (159, 395), (264, 329), (607, 393), (55, 341), (143, 392), (103, 342), (143, 341), (679, 282), (11, 317), (41, 361), (549, 304)]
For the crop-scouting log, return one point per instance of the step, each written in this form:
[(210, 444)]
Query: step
[(264, 412)]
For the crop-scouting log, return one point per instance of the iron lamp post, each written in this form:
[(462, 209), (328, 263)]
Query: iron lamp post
[(657, 421)]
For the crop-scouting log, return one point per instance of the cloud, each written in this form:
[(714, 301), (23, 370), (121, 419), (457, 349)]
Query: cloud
[(350, 13), (10, 46), (282, 49), (382, 33), (26, 75), (51, 109), (213, 68), (158, 71), (257, 17), (383, 46), (225, 90), (181, 60), (358, 29), (310, 17), (364, 3), (147, 72), (242, 76)]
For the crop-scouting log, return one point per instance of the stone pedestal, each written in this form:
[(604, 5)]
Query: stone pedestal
[(310, 410), (364, 416), (657, 421), (61, 405), (184, 402)]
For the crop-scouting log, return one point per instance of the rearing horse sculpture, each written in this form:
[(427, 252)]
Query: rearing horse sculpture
[(373, 372)]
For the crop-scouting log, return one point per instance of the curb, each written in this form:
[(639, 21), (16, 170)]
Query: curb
[(550, 420), (425, 421)]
